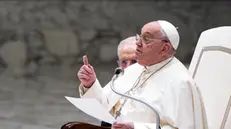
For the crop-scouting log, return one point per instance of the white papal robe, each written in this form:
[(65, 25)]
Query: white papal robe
[(170, 90)]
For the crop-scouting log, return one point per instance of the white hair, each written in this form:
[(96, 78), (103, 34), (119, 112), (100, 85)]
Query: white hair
[(129, 40)]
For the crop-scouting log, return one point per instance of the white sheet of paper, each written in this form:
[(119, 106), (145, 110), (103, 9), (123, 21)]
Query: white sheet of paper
[(92, 107)]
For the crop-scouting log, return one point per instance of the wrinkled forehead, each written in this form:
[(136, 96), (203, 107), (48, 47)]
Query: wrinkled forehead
[(152, 28)]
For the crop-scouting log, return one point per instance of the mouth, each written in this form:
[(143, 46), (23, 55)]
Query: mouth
[(138, 51)]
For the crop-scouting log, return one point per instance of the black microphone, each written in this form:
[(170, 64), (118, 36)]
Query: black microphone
[(120, 71)]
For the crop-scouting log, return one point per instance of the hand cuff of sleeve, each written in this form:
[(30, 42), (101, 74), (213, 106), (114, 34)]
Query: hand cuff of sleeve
[(144, 125)]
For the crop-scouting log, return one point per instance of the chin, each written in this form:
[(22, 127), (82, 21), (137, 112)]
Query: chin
[(141, 63)]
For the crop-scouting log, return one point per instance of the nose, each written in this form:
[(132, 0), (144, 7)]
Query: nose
[(138, 43)]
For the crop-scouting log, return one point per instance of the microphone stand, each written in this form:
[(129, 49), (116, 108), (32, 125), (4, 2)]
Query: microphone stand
[(118, 71)]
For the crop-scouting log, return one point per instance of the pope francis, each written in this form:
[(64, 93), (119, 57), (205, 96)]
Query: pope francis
[(157, 78)]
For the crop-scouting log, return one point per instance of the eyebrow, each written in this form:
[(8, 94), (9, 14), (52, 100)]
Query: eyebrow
[(147, 33)]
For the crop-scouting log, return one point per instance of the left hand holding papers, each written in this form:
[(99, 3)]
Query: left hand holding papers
[(122, 125)]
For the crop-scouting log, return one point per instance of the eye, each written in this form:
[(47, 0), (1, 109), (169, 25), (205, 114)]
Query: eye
[(124, 62), (146, 38)]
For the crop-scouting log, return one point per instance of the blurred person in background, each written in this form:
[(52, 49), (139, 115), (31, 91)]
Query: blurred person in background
[(126, 54)]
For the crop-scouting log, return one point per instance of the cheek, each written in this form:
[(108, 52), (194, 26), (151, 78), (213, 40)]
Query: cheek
[(151, 48)]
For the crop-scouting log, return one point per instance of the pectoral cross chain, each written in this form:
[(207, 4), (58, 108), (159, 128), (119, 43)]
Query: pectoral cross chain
[(118, 113)]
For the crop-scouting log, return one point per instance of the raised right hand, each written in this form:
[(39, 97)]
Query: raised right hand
[(86, 73)]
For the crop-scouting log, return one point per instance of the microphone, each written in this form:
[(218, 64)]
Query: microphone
[(119, 71)]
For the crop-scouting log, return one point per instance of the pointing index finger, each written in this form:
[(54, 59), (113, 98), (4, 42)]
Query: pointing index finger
[(85, 60)]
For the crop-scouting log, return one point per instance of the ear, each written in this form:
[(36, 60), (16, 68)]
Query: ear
[(166, 48)]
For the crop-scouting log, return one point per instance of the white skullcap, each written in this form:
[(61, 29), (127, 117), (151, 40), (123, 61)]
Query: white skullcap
[(171, 32)]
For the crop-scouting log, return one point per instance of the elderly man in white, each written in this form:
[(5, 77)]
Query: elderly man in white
[(158, 78), (126, 52)]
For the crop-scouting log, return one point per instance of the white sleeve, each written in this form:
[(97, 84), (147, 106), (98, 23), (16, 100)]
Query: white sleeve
[(149, 126), (104, 95), (178, 106)]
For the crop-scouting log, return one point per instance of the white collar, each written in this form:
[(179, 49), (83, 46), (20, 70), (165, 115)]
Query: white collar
[(157, 66)]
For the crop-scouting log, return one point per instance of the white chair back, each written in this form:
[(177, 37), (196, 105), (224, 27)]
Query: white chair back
[(211, 69)]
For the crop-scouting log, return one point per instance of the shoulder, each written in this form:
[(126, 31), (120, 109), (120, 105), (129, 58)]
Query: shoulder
[(179, 75), (131, 72), (133, 69)]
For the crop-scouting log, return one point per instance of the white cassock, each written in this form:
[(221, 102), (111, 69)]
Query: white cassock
[(169, 89)]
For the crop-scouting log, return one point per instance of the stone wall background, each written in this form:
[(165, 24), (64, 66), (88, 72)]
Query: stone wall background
[(33, 34), (42, 44)]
